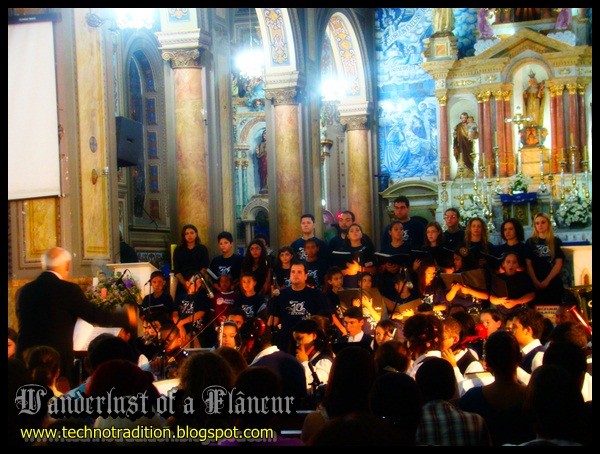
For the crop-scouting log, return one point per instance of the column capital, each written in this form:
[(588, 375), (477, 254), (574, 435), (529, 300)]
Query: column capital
[(284, 88), (183, 47), (354, 122), (181, 58)]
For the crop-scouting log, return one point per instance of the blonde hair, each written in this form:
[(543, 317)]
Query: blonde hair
[(549, 236)]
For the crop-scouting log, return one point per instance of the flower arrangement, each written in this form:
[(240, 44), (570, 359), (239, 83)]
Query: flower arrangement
[(519, 182), (574, 210), (472, 209), (114, 291)]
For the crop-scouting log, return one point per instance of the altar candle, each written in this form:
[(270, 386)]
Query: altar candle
[(572, 142), (495, 138), (541, 161), (573, 165), (104, 292), (489, 172), (585, 154), (483, 159), (443, 173)]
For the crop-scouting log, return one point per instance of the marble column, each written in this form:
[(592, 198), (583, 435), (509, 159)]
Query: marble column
[(507, 153), (444, 134), (486, 128), (574, 120), (497, 130), (581, 88), (288, 171), (190, 131), (562, 150), (360, 181), (555, 154)]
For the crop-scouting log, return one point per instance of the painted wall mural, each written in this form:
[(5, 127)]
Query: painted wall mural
[(407, 110)]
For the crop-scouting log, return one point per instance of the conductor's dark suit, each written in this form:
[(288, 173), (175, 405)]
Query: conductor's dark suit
[(47, 309)]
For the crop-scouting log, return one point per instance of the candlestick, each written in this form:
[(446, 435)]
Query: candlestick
[(551, 182), (519, 162), (541, 161), (573, 168)]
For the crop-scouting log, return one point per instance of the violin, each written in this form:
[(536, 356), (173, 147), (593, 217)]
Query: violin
[(250, 332)]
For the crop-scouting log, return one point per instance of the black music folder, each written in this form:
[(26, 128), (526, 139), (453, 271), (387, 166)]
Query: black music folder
[(394, 259), (475, 279)]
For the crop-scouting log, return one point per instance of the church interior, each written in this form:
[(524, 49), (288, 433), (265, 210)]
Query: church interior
[(153, 124)]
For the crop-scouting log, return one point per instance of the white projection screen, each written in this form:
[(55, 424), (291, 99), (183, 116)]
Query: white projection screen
[(33, 153)]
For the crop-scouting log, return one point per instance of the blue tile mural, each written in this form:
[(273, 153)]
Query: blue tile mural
[(407, 110)]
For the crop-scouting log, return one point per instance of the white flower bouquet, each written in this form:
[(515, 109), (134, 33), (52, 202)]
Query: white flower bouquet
[(574, 210), (519, 182), (472, 209)]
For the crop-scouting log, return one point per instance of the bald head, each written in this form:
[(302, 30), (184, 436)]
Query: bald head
[(57, 259)]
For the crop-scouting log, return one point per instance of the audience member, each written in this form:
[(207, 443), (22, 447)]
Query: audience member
[(442, 422), (392, 356), (12, 342), (233, 356), (356, 429), (500, 402), (394, 397), (350, 381), (555, 404), (44, 363)]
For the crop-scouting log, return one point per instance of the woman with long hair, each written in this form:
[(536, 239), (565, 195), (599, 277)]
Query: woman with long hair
[(190, 257), (545, 259), (256, 261)]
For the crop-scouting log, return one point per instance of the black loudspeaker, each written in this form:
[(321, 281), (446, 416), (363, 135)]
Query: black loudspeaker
[(130, 142)]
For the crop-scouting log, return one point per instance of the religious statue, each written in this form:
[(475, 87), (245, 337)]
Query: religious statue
[(485, 19), (533, 99), (261, 157), (442, 21), (563, 21), (465, 134)]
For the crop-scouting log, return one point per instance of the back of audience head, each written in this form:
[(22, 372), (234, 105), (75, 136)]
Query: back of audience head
[(572, 332), (258, 382), (12, 342), (392, 356), (203, 369), (569, 356), (235, 359), (106, 347), (44, 363), (554, 402), (355, 429), (394, 397), (121, 377), (436, 380), (350, 379), (502, 352)]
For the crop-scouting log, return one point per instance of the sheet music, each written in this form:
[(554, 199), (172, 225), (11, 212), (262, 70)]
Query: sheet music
[(85, 332)]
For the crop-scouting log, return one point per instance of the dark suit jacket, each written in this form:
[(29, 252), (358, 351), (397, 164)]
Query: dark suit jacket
[(47, 309)]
